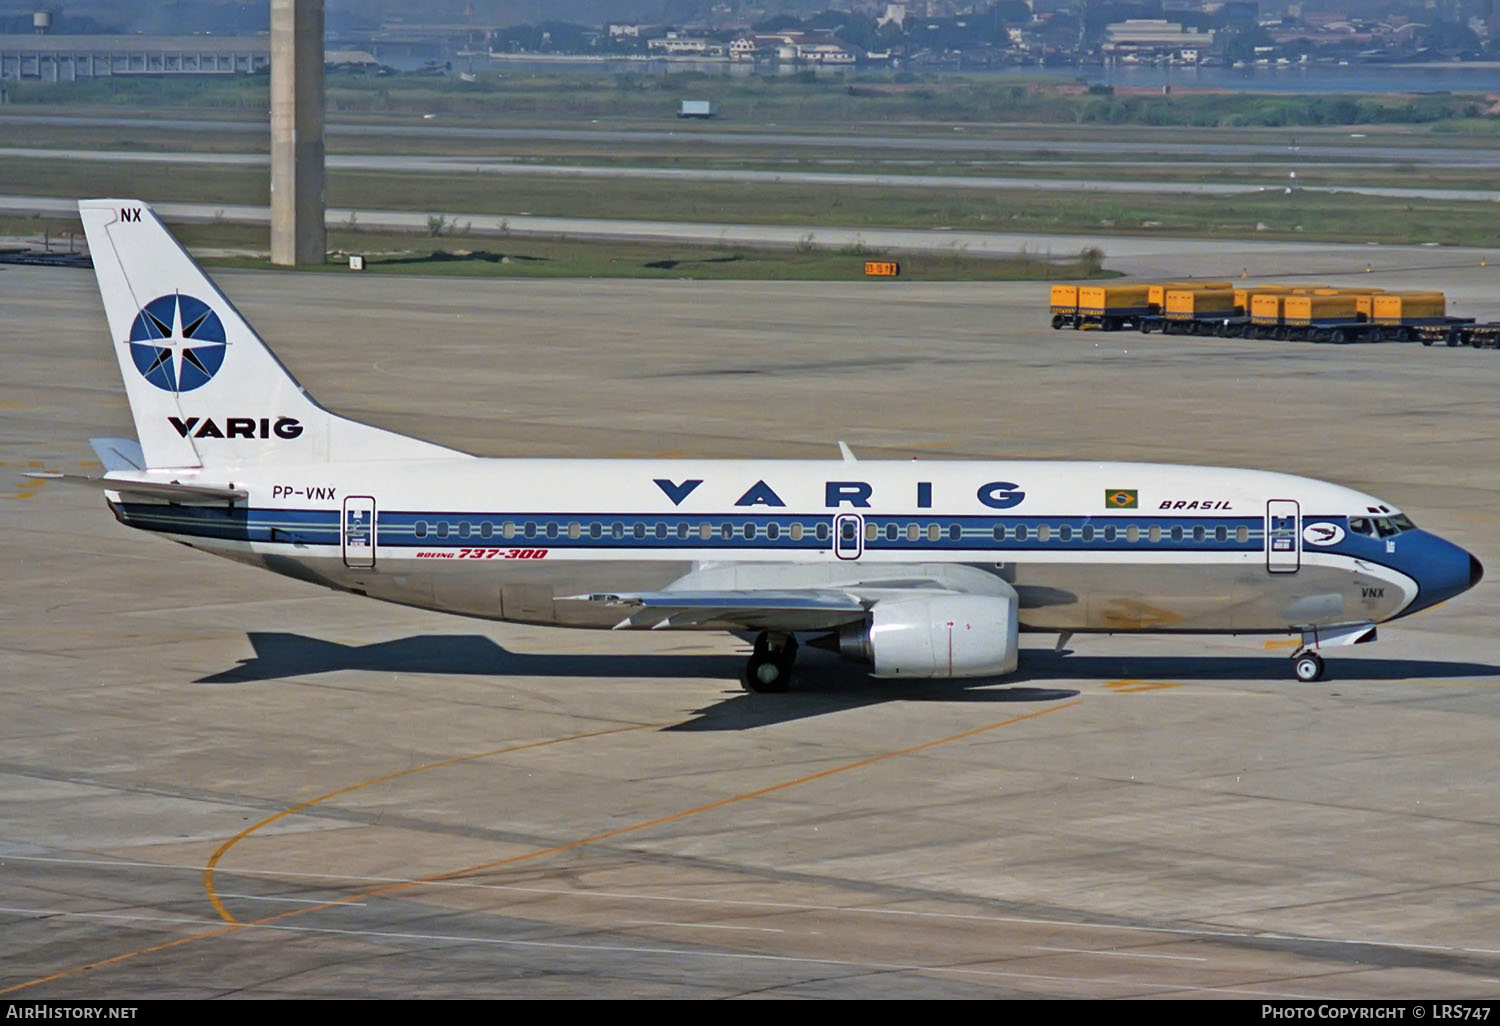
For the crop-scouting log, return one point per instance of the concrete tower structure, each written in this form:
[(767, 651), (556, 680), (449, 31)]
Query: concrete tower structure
[(297, 232)]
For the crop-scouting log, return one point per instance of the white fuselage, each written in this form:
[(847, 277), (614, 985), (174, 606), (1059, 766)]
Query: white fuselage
[(1087, 546)]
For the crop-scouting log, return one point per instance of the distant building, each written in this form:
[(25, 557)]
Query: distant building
[(53, 58), (674, 45), (1153, 38)]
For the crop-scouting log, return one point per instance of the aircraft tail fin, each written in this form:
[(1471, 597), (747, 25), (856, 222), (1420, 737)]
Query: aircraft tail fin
[(204, 389)]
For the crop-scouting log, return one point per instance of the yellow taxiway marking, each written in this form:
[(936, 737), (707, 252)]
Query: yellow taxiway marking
[(213, 862), (1130, 687), (236, 925)]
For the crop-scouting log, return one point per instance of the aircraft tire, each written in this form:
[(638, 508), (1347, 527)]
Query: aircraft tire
[(769, 668), (1308, 666)]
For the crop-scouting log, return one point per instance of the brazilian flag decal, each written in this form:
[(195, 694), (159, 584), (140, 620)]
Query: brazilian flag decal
[(1121, 498)]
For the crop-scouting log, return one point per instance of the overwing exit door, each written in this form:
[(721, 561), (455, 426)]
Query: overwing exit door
[(848, 535)]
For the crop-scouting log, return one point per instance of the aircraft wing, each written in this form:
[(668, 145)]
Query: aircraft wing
[(793, 610)]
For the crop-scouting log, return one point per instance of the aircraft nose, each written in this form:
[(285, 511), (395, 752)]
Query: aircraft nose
[(1441, 568)]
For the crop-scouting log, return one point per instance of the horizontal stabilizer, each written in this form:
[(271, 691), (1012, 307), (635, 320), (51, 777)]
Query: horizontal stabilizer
[(171, 491), (119, 453)]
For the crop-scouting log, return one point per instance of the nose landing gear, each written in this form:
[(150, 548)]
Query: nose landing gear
[(769, 668)]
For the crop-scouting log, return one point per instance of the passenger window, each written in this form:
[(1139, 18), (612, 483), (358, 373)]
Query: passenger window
[(1221, 533), (1199, 534), (509, 529), (552, 529), (1065, 533), (1021, 532), (486, 530), (705, 531), (442, 531), (1242, 534), (1132, 534), (870, 532), (726, 531), (1087, 533), (596, 530), (934, 532), (661, 529), (822, 532), (617, 530), (682, 531), (463, 529), (530, 530), (913, 532), (575, 531), (1177, 534), (795, 531), (1154, 535), (421, 528), (1044, 533), (773, 531), (999, 532), (955, 532), (891, 532), (750, 530), (1110, 533)]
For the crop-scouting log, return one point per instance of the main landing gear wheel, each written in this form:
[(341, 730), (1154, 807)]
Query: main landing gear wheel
[(1308, 666), (769, 668)]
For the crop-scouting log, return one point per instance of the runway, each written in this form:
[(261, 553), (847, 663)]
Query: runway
[(421, 164), (216, 782), (1134, 255), (720, 136)]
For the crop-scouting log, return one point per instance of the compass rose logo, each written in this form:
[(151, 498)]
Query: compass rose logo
[(177, 343)]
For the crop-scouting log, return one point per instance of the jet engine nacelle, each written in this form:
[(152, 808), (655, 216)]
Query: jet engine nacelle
[(936, 636)]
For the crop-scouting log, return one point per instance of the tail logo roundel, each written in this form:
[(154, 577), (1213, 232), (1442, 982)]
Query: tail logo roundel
[(177, 343)]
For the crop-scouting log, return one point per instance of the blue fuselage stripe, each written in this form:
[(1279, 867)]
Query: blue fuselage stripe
[(764, 531)]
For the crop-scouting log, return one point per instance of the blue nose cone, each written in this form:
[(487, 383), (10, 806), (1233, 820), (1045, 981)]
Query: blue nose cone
[(1440, 568)]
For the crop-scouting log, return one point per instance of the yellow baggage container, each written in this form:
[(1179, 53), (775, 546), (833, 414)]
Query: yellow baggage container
[(1243, 293), (1156, 295), (1065, 299), (1265, 307), (1318, 308), (1185, 304), (1364, 302), (1112, 300), (1408, 307)]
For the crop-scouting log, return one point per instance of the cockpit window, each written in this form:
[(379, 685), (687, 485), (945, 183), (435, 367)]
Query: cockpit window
[(1381, 527)]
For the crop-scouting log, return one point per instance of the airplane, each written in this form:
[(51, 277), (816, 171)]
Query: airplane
[(920, 569)]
